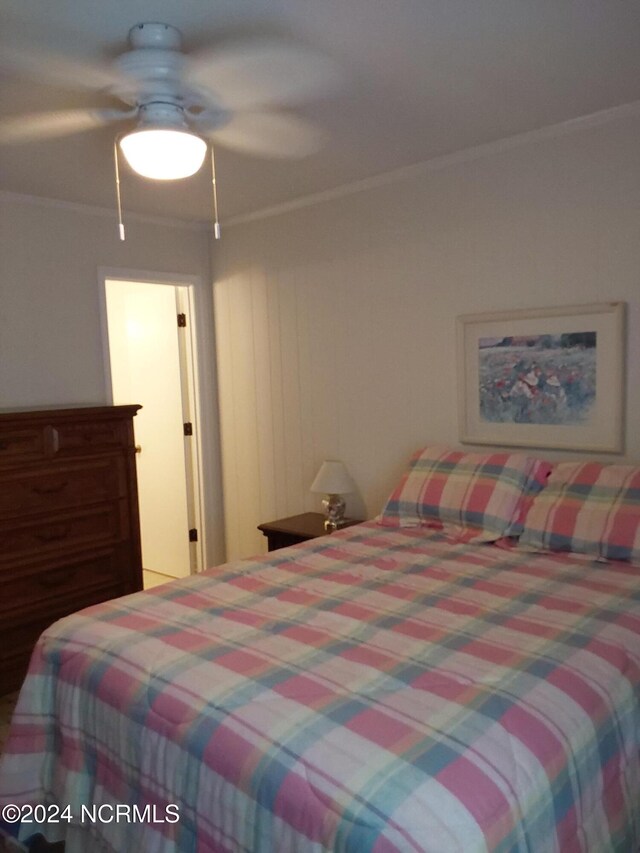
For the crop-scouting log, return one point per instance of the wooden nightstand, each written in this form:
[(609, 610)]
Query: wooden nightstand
[(296, 528)]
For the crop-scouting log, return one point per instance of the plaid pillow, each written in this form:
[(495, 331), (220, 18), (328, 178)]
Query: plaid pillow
[(471, 495), (587, 508), (536, 481)]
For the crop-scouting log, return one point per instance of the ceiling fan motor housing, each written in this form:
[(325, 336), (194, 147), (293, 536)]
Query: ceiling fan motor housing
[(155, 35), (155, 65), (162, 115)]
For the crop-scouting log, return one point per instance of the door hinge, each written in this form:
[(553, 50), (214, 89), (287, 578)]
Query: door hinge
[(188, 428), (182, 321), (193, 534)]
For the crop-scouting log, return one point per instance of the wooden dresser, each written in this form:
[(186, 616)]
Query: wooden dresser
[(69, 524)]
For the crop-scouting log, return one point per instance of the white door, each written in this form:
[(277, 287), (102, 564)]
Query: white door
[(144, 352)]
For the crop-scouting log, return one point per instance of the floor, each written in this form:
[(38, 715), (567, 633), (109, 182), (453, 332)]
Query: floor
[(151, 579)]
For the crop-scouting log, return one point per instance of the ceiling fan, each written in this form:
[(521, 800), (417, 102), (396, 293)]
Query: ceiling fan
[(174, 103)]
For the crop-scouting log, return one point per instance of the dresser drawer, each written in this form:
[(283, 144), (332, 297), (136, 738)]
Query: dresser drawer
[(75, 583), (60, 533), (23, 443), (16, 645), (20, 444), (61, 486), (19, 636), (78, 437)]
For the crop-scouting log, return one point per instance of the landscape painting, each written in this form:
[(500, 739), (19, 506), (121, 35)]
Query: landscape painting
[(545, 377), (538, 379)]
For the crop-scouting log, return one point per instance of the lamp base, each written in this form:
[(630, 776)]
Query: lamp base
[(334, 507)]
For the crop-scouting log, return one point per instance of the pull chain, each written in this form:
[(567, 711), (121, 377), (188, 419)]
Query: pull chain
[(117, 170), (216, 223)]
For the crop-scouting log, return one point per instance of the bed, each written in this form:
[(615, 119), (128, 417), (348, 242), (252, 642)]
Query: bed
[(451, 685)]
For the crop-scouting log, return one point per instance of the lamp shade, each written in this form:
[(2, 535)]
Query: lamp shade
[(163, 153), (332, 479)]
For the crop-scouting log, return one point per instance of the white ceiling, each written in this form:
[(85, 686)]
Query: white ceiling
[(419, 78)]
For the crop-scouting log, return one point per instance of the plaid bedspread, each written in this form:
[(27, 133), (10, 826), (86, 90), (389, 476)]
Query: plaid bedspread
[(376, 690)]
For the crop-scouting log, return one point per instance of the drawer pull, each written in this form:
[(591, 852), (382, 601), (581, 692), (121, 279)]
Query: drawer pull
[(53, 535), (52, 489), (51, 440), (52, 581)]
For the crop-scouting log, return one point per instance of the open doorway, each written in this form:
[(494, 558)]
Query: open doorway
[(151, 360)]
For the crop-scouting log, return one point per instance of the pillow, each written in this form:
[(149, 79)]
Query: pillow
[(587, 508), (472, 495), (537, 480)]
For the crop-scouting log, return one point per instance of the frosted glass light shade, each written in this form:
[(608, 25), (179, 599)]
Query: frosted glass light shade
[(163, 154), (332, 479)]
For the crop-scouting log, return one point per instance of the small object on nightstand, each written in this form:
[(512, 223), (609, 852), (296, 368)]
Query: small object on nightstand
[(297, 528), (333, 480)]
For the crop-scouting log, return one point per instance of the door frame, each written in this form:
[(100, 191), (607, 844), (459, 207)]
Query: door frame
[(188, 285)]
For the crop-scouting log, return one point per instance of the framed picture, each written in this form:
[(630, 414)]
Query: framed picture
[(543, 378)]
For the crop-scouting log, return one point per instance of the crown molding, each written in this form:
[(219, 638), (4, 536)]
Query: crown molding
[(416, 170), (466, 155), (95, 210)]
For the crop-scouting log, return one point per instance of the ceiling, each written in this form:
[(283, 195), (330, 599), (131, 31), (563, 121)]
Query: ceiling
[(417, 79)]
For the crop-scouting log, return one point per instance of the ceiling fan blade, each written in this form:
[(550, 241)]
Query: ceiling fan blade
[(268, 135), (262, 73), (33, 126), (56, 69)]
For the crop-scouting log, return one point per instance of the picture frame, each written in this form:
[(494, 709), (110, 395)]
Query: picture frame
[(547, 378)]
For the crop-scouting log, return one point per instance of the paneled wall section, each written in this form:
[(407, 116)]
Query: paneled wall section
[(335, 323)]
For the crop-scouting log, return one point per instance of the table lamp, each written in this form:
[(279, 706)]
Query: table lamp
[(333, 480)]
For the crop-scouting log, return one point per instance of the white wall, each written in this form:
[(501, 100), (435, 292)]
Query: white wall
[(335, 323), (51, 350)]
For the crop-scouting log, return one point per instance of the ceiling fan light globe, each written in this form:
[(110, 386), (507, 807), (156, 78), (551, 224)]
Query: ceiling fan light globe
[(163, 154)]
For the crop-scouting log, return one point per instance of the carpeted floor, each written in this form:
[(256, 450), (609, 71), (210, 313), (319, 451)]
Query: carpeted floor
[(7, 704)]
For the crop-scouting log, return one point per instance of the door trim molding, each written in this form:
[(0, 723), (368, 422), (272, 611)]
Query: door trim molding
[(188, 284)]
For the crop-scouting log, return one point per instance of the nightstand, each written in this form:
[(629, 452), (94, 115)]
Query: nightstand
[(296, 528)]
